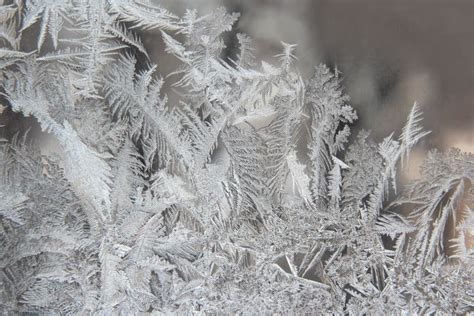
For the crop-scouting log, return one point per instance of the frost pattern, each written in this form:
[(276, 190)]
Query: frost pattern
[(244, 195)]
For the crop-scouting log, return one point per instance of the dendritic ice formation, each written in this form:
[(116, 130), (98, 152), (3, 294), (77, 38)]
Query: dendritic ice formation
[(240, 195)]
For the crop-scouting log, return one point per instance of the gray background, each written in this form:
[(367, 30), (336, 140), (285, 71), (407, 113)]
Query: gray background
[(391, 54)]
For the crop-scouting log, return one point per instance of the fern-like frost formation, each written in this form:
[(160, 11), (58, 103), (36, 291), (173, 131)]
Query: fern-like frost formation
[(241, 194)]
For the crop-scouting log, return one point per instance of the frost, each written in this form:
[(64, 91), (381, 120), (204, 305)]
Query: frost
[(242, 193)]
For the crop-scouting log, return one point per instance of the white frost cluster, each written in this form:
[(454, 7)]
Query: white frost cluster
[(242, 195)]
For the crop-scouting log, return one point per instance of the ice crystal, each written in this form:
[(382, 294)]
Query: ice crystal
[(242, 195)]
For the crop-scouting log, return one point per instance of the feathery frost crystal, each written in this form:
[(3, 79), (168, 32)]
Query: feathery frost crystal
[(240, 195)]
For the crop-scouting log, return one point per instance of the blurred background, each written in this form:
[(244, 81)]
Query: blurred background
[(390, 53)]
